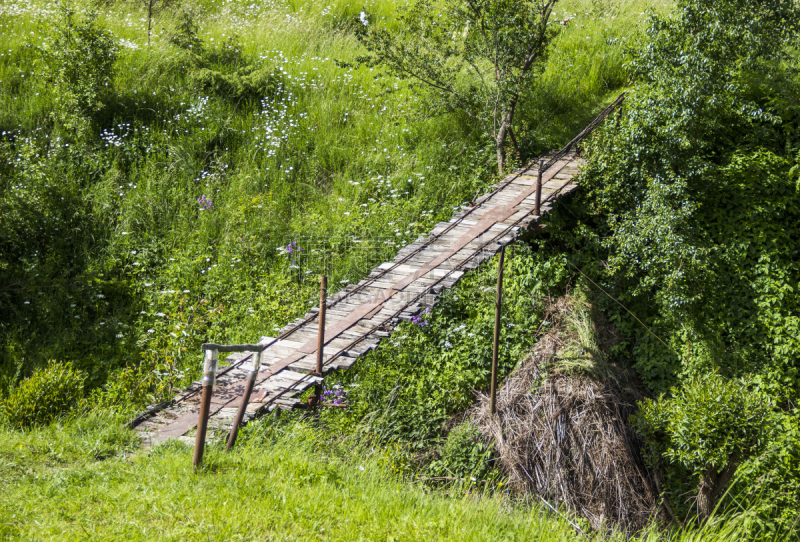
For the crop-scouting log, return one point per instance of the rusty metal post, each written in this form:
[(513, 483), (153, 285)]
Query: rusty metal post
[(538, 201), (497, 309), (323, 297), (323, 294), (248, 389), (210, 365)]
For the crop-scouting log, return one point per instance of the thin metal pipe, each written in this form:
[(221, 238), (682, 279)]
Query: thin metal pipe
[(209, 376), (323, 295), (323, 302), (538, 200), (248, 389), (497, 310), (235, 347)]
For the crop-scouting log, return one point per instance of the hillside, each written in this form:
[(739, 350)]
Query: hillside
[(346, 164), (159, 191)]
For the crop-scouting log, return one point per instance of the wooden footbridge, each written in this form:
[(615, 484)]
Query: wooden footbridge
[(359, 316)]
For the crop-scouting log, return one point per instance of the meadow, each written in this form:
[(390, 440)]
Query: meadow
[(168, 225), (273, 486), (197, 191)]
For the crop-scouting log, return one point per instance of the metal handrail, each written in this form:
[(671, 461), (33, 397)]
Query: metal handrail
[(260, 347)]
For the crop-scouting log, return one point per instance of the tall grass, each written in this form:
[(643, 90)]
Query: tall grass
[(55, 489), (255, 493), (338, 158)]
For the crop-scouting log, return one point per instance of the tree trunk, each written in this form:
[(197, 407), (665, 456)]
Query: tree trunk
[(711, 486), (501, 158), (500, 141), (514, 142), (149, 19)]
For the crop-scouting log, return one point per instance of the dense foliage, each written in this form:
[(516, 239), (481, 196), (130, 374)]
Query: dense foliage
[(79, 58), (694, 199), (48, 394), (481, 57), (707, 427)]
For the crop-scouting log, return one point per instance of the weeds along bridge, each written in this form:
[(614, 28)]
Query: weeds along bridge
[(359, 316)]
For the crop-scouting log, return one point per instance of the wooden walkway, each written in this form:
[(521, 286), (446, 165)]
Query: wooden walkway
[(360, 315)]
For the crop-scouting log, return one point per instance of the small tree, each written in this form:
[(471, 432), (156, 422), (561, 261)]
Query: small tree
[(477, 56), (154, 9), (185, 33), (79, 57)]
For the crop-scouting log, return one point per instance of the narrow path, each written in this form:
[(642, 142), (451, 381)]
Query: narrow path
[(360, 315)]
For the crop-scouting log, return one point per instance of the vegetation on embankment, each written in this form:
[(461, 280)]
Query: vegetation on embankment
[(147, 198), (691, 206), (152, 198), (271, 486)]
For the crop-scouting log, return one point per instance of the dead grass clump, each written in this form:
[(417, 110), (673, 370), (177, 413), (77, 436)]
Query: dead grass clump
[(561, 427)]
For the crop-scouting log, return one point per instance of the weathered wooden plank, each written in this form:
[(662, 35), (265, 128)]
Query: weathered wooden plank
[(359, 316)]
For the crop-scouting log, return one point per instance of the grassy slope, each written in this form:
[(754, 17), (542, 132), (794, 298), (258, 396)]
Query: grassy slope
[(350, 160), (54, 484), (54, 488)]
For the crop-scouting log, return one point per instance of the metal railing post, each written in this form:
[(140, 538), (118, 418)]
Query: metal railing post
[(323, 296), (538, 201), (210, 365), (496, 347), (248, 389)]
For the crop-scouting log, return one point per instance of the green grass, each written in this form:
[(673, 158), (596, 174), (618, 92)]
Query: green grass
[(359, 171), (55, 488), (276, 492)]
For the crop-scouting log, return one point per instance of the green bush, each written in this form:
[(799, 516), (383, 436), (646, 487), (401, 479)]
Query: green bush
[(247, 84), (708, 427), (80, 58), (690, 195), (47, 394), (464, 455), (766, 485)]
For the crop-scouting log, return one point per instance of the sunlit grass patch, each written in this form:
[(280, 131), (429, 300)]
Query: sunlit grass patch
[(256, 492)]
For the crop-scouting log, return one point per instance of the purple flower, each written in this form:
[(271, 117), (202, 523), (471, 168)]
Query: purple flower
[(291, 248), (204, 202), (420, 319), (335, 395)]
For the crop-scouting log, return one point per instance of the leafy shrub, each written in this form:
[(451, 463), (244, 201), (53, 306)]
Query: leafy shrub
[(708, 427), (80, 58), (247, 84), (185, 33), (691, 189), (464, 455), (766, 485), (45, 395)]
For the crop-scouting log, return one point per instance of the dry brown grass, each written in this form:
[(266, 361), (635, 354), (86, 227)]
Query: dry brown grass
[(561, 427)]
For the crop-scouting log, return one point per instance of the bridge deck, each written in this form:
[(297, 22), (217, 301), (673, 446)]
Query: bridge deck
[(360, 315)]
